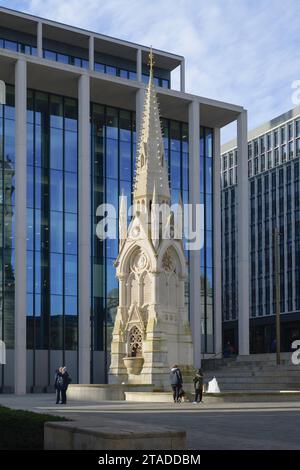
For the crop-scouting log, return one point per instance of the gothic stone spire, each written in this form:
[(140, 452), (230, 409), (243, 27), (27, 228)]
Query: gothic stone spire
[(151, 165)]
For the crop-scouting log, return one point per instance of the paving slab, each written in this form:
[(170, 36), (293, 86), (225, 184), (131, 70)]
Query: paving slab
[(208, 426)]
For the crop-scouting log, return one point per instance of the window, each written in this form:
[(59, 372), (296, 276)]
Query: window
[(276, 156), (290, 131), (99, 67), (269, 160), (50, 55), (110, 70), (291, 150), (298, 147), (12, 45), (283, 153), (249, 151), (262, 162), (250, 168)]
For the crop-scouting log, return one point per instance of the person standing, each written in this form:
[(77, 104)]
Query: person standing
[(63, 381), (57, 384), (198, 384), (176, 382)]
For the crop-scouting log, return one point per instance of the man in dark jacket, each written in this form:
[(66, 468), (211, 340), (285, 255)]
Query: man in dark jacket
[(198, 384), (56, 384), (63, 382), (176, 382)]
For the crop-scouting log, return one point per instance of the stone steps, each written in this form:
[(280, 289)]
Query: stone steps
[(255, 379), (229, 396), (253, 373), (257, 386)]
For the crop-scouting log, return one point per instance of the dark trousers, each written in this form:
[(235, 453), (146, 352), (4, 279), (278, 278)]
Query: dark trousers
[(64, 396), (57, 395), (198, 394), (176, 390)]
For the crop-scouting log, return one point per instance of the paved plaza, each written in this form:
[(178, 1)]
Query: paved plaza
[(223, 426)]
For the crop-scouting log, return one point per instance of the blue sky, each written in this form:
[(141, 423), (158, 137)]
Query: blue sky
[(241, 51)]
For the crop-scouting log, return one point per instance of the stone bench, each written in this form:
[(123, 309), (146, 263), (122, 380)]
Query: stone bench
[(106, 434)]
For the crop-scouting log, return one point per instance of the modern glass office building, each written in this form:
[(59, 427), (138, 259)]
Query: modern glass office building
[(68, 133), (274, 202)]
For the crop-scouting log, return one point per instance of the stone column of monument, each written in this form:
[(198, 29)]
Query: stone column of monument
[(151, 331)]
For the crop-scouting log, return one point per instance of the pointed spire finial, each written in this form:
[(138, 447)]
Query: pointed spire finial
[(151, 61)]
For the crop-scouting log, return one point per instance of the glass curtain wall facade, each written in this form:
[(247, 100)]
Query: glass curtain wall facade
[(52, 226), (7, 222), (274, 190), (52, 160), (206, 255)]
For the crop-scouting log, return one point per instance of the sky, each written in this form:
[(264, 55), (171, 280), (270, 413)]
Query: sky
[(241, 51)]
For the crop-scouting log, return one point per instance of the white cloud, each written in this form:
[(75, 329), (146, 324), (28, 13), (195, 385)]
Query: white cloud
[(240, 51)]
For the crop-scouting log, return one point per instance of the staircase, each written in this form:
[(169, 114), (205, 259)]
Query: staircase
[(254, 373)]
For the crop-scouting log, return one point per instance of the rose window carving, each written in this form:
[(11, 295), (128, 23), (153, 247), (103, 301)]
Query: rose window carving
[(140, 262)]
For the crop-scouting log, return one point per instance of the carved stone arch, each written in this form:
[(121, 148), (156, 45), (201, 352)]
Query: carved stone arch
[(177, 254), (125, 261)]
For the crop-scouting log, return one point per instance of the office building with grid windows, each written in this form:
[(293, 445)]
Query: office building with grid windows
[(68, 133), (274, 202)]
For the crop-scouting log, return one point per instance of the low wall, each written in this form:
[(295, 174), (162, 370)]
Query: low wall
[(103, 392), (111, 435), (155, 397)]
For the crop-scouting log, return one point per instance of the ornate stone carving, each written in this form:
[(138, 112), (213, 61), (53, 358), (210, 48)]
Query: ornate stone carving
[(167, 261), (136, 231), (135, 342), (140, 262)]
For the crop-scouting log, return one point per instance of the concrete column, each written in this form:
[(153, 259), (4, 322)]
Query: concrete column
[(40, 39), (182, 76), (91, 53), (139, 105), (20, 226), (139, 65), (84, 222), (217, 242), (194, 198), (243, 233)]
